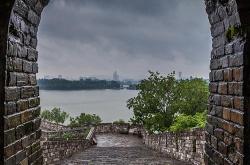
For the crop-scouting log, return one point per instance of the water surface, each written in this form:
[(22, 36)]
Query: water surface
[(110, 105)]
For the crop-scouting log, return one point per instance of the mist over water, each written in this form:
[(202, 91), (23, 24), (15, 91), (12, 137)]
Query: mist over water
[(110, 105)]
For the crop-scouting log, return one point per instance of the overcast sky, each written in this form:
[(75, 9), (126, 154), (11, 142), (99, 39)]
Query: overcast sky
[(97, 37)]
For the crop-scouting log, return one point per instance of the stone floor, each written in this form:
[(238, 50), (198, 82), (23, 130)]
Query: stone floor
[(119, 150)]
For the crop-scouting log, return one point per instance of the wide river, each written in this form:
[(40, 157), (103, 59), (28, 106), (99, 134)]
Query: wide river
[(110, 105)]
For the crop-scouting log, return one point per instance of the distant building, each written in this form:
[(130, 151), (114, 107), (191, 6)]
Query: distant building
[(180, 75), (115, 76), (60, 76)]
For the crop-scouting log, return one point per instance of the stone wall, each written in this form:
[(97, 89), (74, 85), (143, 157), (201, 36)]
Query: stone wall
[(227, 130), (186, 146), (49, 126), (21, 104), (53, 151), (112, 128)]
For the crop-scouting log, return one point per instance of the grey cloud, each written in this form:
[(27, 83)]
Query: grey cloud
[(128, 30)]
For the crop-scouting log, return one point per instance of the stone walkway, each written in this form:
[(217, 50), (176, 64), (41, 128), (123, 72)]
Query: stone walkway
[(119, 150)]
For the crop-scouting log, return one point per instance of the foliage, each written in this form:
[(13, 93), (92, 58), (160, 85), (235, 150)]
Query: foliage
[(192, 96), (186, 122), (233, 31), (153, 105), (84, 119), (67, 135), (160, 99), (120, 121), (55, 115)]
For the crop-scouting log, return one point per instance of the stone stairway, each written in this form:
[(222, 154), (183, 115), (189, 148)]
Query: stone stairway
[(120, 153)]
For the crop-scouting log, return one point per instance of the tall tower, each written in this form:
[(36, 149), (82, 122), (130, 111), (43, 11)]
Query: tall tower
[(180, 75), (115, 76)]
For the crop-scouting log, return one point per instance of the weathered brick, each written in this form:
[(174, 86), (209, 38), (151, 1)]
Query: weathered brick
[(12, 79), (22, 105), (27, 66), (26, 116), (34, 102), (237, 117), (227, 101), (219, 133), (222, 148), (236, 60), (228, 75), (27, 92), (20, 156), (213, 87), (32, 55), (9, 137), (235, 88), (226, 114), (239, 103), (238, 74), (32, 79), (13, 121), (22, 79), (35, 67), (222, 89), (218, 75), (10, 108), (9, 151)]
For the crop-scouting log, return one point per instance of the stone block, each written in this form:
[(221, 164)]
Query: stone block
[(219, 133), (222, 148), (32, 55), (32, 79), (236, 60), (26, 116), (28, 92), (239, 103), (22, 79), (238, 74), (35, 67), (27, 66), (34, 102), (13, 121), (227, 114), (12, 79), (9, 137), (10, 108), (222, 89), (227, 101), (20, 156), (9, 150), (22, 105), (12, 93), (228, 74), (237, 117)]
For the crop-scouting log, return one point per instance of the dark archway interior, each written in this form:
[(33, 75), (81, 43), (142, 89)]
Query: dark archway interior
[(5, 12)]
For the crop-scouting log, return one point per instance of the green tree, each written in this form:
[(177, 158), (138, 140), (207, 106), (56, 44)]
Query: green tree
[(153, 106), (46, 114), (192, 96), (186, 122), (84, 119), (120, 121), (55, 115), (161, 101)]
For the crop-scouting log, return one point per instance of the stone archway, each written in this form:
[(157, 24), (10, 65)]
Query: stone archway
[(227, 131)]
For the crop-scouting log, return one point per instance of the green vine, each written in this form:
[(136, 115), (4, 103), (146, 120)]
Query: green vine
[(236, 31)]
